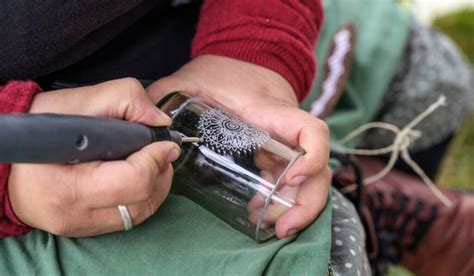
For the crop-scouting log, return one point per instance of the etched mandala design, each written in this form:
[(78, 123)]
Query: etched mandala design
[(226, 134)]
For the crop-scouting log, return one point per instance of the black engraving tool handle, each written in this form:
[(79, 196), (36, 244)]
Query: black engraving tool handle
[(53, 138)]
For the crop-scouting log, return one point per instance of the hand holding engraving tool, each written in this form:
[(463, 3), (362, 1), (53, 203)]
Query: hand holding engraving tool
[(52, 138), (82, 200)]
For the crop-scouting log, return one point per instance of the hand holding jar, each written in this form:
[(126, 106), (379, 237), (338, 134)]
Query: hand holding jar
[(265, 100)]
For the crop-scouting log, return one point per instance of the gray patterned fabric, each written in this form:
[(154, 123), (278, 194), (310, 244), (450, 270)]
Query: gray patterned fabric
[(348, 254), (431, 66)]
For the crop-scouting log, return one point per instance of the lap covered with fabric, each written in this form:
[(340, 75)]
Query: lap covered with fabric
[(182, 238)]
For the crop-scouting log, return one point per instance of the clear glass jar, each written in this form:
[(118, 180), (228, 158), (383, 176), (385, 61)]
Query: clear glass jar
[(237, 173)]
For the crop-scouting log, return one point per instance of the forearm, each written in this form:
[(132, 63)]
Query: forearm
[(279, 35), (14, 97)]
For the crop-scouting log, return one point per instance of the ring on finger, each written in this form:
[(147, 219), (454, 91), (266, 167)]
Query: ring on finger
[(127, 220)]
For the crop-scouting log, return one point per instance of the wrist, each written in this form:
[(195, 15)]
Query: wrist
[(38, 104), (248, 83)]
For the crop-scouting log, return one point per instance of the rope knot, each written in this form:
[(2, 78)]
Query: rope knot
[(403, 139)]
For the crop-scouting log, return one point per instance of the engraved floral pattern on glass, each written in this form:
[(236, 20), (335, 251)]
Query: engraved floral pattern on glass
[(227, 134)]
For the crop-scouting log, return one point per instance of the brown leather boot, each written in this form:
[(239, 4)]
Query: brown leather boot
[(407, 224)]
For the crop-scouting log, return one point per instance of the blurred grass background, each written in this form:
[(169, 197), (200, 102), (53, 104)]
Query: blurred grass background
[(457, 168), (460, 27)]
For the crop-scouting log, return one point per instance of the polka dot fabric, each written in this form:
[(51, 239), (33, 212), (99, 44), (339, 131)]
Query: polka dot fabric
[(348, 255)]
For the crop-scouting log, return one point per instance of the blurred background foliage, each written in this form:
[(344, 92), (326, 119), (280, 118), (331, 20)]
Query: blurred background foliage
[(460, 27), (457, 171)]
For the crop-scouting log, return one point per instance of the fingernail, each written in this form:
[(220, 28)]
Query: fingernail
[(298, 179), (291, 232), (162, 116), (173, 155)]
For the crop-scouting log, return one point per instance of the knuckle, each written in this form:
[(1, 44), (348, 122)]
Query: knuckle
[(324, 127), (321, 126), (139, 170), (129, 81), (146, 167), (144, 190), (142, 172), (143, 184), (150, 208), (133, 86), (146, 210), (128, 88)]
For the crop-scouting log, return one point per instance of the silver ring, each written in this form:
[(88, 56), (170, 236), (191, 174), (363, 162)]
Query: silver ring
[(127, 221)]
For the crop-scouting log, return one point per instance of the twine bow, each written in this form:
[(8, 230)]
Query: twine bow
[(403, 139)]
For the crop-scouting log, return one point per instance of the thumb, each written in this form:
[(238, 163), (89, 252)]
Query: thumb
[(155, 157)]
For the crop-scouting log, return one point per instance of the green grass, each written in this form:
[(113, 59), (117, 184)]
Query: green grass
[(399, 271), (460, 27), (457, 170)]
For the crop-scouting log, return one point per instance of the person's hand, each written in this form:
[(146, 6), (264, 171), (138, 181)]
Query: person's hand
[(266, 100), (81, 200)]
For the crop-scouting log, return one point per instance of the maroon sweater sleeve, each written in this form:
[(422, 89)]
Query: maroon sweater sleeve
[(277, 34), (16, 96)]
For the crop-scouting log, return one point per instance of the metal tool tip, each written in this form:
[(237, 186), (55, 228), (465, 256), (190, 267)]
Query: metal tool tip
[(192, 140)]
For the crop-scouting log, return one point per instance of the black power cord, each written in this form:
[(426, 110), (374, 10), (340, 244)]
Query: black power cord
[(349, 160)]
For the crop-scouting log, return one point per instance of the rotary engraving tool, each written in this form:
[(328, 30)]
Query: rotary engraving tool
[(54, 138)]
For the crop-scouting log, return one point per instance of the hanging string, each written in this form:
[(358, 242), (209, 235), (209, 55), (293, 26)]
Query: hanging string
[(403, 139)]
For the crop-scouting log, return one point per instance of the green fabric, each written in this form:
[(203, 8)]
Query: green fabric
[(382, 30), (180, 239)]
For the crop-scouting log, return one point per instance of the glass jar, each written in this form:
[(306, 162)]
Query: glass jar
[(237, 172)]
